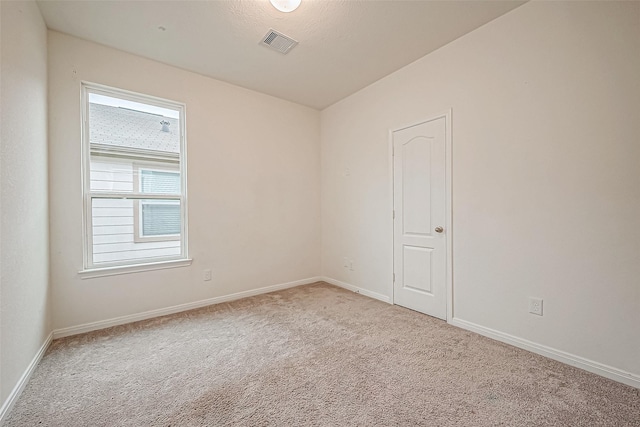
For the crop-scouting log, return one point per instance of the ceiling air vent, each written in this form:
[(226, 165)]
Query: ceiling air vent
[(278, 41)]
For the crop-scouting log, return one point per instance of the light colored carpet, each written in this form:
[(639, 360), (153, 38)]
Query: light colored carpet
[(314, 355)]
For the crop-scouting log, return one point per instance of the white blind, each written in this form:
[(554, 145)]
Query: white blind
[(160, 218), (159, 182)]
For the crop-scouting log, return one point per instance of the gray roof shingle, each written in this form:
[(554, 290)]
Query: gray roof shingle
[(121, 127)]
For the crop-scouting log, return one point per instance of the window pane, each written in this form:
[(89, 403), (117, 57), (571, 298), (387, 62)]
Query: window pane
[(114, 227), (123, 133), (159, 182), (121, 125), (160, 218), (111, 174)]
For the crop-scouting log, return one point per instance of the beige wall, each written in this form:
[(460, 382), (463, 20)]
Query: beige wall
[(24, 229), (546, 176), (253, 187)]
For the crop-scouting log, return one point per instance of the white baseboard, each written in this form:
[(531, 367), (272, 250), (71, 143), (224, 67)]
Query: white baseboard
[(362, 291), (24, 379), (552, 353), (102, 324)]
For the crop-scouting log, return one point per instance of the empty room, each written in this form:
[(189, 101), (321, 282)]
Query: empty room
[(320, 213)]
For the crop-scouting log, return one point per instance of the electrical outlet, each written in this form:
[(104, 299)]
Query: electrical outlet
[(345, 262), (535, 306), (206, 274), (351, 265)]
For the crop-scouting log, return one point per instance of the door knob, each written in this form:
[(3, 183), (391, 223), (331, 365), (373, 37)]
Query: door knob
[(439, 229)]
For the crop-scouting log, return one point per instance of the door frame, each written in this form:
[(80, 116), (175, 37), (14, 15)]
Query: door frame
[(448, 205)]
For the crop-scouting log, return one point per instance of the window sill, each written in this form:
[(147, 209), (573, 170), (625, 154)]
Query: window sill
[(136, 268)]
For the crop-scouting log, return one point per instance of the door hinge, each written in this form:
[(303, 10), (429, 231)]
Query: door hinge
[(393, 215), (394, 277)]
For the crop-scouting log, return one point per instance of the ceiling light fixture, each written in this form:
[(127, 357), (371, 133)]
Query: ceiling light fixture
[(285, 6)]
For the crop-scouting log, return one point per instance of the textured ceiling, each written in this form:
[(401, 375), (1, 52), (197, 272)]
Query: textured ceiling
[(344, 45)]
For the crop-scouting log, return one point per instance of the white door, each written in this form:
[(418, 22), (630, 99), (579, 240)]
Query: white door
[(419, 199)]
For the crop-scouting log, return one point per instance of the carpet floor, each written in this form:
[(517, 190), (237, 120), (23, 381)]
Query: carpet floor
[(314, 355)]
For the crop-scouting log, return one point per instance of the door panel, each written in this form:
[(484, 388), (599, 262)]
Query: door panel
[(417, 268), (416, 158), (419, 208)]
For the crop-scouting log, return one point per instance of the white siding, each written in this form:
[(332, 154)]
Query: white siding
[(111, 175), (113, 219)]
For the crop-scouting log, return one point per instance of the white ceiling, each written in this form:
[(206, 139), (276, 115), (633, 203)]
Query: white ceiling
[(344, 45)]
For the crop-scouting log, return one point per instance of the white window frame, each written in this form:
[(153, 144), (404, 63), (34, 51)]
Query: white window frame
[(104, 269), (137, 211)]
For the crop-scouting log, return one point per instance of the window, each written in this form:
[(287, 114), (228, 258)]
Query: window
[(156, 220), (134, 180)]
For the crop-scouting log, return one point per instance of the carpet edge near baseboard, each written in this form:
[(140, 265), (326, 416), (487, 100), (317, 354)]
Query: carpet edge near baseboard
[(356, 289), (588, 365), (130, 318), (5, 409)]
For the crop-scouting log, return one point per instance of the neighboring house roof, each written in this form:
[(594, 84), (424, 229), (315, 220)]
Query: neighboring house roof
[(121, 127)]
